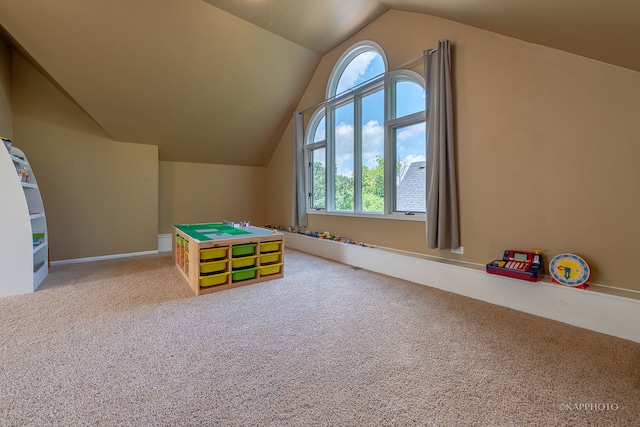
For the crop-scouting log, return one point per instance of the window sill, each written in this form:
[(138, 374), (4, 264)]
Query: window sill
[(396, 216)]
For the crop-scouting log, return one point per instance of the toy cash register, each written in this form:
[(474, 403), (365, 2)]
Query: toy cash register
[(519, 265)]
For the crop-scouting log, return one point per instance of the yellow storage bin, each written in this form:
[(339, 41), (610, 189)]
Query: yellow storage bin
[(270, 246), (214, 279), (270, 257), (266, 270), (247, 261), (213, 266), (214, 253)]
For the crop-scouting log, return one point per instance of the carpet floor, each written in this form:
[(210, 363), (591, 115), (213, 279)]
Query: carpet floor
[(124, 342)]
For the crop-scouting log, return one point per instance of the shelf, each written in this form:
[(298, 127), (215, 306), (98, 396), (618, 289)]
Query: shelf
[(19, 160), (39, 266), (40, 273), (23, 265), (40, 246)]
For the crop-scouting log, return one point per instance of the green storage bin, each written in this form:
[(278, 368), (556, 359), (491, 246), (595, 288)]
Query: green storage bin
[(242, 250), (245, 261), (244, 274)]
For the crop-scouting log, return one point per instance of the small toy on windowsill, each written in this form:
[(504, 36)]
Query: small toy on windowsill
[(321, 235)]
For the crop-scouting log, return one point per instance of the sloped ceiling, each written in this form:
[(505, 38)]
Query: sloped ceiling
[(216, 81)]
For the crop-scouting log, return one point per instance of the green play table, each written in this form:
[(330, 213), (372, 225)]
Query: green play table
[(217, 256)]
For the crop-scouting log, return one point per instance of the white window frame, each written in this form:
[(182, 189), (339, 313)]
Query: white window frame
[(309, 147), (385, 82), (345, 60), (392, 125)]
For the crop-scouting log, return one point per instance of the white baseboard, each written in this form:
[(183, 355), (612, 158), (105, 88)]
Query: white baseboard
[(164, 242), (597, 311), (164, 245), (101, 258)]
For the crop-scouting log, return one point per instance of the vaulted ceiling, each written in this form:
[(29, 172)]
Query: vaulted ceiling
[(216, 81)]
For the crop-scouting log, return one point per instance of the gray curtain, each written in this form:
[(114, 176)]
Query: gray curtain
[(442, 206), (299, 211)]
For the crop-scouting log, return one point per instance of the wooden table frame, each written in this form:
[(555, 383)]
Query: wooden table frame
[(190, 265)]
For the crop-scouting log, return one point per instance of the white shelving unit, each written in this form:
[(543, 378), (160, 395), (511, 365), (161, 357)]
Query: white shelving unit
[(24, 253)]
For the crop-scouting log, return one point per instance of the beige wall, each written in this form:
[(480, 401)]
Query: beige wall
[(546, 146), (100, 196), (105, 197), (279, 179), (6, 116), (196, 192), (546, 150)]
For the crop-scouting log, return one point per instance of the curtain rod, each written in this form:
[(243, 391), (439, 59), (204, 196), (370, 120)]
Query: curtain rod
[(409, 64)]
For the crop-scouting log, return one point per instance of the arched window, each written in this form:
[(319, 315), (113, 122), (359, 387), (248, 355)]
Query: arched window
[(362, 63), (366, 146)]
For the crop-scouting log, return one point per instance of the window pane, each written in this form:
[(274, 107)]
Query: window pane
[(344, 160), (373, 152), (319, 134), (410, 144), (410, 98), (318, 178), (362, 68)]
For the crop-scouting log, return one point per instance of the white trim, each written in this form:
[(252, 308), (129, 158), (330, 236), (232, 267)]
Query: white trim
[(344, 61), (164, 245), (396, 216), (165, 242), (601, 312), (101, 258)]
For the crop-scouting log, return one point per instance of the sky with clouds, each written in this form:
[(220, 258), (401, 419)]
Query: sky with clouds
[(409, 140)]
